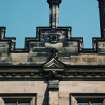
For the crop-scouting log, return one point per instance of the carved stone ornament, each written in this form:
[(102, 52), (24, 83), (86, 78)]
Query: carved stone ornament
[(53, 65)]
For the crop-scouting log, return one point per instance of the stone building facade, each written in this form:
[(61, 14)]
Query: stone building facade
[(53, 68)]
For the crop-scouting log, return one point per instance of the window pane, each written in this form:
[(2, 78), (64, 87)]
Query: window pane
[(17, 101), (90, 103), (96, 103), (24, 104), (83, 104), (10, 103)]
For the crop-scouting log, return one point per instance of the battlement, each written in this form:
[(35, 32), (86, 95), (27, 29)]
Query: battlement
[(51, 43)]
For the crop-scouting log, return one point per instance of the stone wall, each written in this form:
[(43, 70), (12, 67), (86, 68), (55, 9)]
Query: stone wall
[(62, 96), (24, 87), (67, 88)]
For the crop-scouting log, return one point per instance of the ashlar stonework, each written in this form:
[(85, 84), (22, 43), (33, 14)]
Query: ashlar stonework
[(53, 68)]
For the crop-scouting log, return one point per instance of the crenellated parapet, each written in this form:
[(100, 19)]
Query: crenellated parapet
[(54, 54), (6, 46), (51, 43)]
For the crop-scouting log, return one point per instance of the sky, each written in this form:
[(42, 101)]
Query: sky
[(21, 17)]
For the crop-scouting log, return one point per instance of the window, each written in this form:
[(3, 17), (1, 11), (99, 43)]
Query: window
[(18, 99), (88, 99)]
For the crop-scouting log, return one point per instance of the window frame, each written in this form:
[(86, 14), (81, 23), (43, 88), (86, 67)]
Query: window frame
[(87, 96), (31, 97)]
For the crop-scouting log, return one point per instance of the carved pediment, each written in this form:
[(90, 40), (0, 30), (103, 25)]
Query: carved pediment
[(54, 64)]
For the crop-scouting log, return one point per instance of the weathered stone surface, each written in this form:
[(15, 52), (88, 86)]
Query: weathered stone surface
[(81, 59), (54, 65), (67, 88), (53, 98), (24, 87), (19, 58)]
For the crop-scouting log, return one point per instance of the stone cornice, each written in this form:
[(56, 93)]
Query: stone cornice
[(36, 72)]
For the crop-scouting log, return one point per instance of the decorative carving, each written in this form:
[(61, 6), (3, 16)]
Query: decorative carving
[(52, 67), (54, 64)]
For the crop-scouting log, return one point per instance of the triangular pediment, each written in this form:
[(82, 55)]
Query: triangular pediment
[(53, 63)]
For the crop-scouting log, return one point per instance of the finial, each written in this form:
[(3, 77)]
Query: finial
[(54, 2), (54, 12), (2, 32)]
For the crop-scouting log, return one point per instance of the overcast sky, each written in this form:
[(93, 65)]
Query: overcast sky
[(22, 16)]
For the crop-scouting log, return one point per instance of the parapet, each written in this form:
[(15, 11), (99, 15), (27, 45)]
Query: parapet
[(51, 43)]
